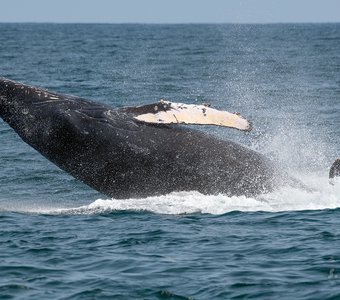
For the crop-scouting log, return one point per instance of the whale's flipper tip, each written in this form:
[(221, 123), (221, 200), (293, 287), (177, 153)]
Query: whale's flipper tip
[(334, 171), (166, 112)]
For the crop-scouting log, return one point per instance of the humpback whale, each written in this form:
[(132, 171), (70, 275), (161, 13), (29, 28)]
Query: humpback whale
[(138, 151)]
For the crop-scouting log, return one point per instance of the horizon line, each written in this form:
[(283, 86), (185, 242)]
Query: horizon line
[(169, 23)]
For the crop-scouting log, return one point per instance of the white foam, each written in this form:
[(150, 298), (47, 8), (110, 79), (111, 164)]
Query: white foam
[(324, 196)]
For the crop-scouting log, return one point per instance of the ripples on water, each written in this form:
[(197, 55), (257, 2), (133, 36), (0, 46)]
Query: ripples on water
[(60, 239), (142, 255)]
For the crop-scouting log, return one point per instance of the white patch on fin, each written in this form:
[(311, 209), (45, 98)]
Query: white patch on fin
[(180, 113)]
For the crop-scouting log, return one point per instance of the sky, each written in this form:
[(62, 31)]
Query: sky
[(170, 11)]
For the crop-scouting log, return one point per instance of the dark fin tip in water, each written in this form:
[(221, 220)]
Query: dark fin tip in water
[(334, 171)]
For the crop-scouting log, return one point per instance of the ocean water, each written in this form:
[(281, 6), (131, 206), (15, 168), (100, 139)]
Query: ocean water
[(59, 239)]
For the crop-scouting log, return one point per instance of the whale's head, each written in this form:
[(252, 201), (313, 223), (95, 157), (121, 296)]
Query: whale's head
[(50, 122), (28, 110), (17, 106), (34, 113)]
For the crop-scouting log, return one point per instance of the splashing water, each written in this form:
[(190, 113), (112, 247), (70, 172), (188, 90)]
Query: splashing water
[(324, 196)]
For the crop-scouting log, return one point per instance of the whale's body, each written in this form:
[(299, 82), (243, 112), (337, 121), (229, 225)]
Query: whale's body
[(112, 152)]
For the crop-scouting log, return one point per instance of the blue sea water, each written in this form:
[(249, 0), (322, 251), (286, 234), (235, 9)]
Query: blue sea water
[(59, 239)]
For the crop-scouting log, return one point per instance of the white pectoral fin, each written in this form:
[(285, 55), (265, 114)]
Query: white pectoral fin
[(166, 112)]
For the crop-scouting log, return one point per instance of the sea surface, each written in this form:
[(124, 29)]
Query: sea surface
[(60, 239)]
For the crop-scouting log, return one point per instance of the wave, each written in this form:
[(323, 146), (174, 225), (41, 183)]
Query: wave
[(324, 196)]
